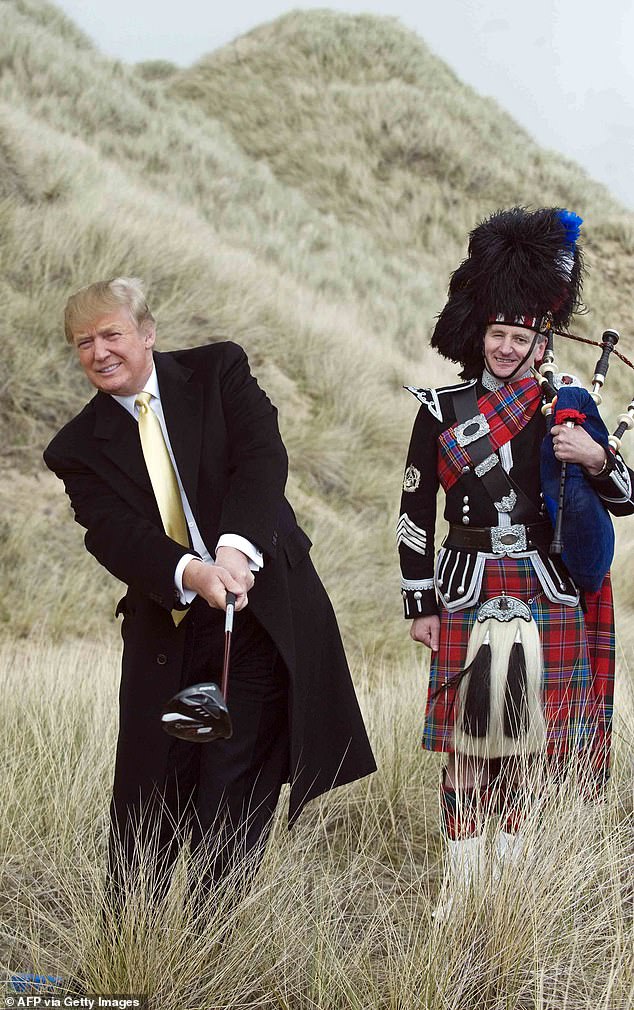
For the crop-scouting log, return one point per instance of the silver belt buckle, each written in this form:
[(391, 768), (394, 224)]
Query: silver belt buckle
[(508, 539)]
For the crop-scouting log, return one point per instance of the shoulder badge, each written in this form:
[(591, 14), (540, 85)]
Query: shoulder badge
[(411, 480), (431, 397)]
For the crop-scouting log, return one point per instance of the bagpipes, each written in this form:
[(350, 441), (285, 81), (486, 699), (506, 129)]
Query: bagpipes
[(583, 531)]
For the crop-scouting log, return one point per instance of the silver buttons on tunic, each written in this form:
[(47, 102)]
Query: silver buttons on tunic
[(466, 508)]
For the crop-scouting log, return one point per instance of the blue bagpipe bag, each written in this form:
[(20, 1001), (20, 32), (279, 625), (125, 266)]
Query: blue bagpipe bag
[(587, 531)]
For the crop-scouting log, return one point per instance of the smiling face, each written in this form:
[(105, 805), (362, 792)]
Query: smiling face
[(115, 353), (506, 346)]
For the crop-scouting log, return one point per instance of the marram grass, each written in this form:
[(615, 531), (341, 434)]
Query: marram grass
[(339, 916)]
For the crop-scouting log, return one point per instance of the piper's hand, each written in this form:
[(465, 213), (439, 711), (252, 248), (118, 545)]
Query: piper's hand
[(427, 631), (575, 445), (213, 582)]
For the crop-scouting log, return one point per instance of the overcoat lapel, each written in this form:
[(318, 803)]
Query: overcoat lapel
[(120, 436), (182, 401)]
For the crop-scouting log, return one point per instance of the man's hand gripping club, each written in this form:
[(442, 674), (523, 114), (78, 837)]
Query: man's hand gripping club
[(229, 574)]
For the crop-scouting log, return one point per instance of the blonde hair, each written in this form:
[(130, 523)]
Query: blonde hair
[(88, 303)]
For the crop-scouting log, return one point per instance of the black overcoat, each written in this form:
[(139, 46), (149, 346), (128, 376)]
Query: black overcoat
[(233, 466)]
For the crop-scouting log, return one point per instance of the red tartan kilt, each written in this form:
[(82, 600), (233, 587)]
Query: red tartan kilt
[(602, 648), (577, 705)]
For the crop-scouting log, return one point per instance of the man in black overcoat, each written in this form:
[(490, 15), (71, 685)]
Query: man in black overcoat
[(292, 702)]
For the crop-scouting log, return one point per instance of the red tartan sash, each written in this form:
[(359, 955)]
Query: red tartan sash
[(507, 409)]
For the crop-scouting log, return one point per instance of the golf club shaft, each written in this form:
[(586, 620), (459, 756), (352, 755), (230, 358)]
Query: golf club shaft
[(231, 602)]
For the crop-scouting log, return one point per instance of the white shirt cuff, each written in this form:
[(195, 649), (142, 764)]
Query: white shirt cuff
[(185, 595), (256, 558)]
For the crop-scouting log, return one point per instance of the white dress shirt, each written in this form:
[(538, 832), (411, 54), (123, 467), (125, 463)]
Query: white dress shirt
[(256, 560)]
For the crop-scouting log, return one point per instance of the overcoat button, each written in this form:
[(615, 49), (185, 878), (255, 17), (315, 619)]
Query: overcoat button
[(161, 659), (466, 469)]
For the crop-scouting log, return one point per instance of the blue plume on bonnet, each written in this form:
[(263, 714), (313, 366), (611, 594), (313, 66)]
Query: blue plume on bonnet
[(572, 226)]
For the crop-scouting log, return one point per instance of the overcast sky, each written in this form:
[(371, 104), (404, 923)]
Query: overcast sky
[(564, 69)]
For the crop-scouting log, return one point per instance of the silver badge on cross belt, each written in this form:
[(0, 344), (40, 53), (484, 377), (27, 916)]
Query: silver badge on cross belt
[(411, 480), (487, 464), (469, 431), (507, 503)]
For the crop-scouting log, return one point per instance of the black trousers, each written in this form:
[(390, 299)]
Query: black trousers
[(225, 792), (219, 795)]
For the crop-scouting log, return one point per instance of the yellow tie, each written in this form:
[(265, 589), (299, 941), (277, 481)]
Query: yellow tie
[(162, 477)]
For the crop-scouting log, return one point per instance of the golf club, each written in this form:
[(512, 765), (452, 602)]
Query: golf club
[(199, 713)]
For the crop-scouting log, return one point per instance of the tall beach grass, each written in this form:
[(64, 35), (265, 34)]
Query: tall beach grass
[(340, 913)]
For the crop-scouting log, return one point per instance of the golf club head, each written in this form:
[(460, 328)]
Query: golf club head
[(198, 713)]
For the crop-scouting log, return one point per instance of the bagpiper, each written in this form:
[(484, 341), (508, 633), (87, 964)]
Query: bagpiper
[(522, 652)]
